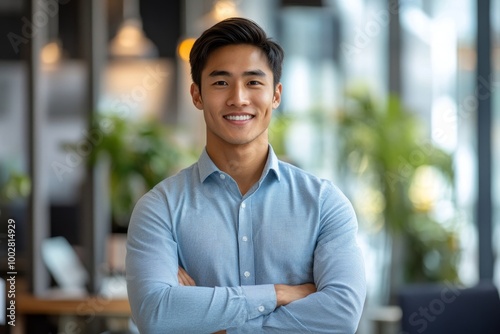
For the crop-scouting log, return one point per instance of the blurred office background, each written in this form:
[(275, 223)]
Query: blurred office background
[(397, 101)]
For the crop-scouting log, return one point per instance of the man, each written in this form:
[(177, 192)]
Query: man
[(241, 242)]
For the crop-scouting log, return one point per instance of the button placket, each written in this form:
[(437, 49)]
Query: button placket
[(245, 246)]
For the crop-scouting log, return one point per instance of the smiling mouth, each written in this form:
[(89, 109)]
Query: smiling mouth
[(238, 117)]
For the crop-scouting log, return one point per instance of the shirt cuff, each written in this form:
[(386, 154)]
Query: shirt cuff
[(261, 299)]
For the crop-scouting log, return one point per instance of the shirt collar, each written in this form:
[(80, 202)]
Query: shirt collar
[(207, 167)]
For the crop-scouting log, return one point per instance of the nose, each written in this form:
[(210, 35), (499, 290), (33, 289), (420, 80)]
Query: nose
[(238, 96)]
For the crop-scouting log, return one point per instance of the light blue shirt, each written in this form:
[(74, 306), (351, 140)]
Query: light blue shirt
[(289, 228)]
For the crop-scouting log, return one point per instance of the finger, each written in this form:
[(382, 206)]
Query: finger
[(189, 280), (180, 279), (185, 278)]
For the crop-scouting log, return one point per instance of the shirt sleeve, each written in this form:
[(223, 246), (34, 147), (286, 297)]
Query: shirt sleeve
[(159, 304), (339, 276)]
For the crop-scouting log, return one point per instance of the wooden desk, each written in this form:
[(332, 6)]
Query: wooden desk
[(84, 306), (86, 309)]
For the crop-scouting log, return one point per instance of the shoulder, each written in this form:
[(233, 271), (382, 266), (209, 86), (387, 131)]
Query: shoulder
[(322, 191), (176, 183), (293, 174), (168, 190)]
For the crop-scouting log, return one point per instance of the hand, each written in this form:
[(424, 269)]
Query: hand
[(184, 278), (286, 294)]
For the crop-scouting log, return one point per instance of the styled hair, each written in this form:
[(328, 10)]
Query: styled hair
[(233, 31)]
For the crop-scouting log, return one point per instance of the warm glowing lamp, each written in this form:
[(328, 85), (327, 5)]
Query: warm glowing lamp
[(224, 9), (185, 48), (51, 53), (130, 40)]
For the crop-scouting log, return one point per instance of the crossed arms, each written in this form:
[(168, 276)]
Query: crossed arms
[(285, 294), (158, 306)]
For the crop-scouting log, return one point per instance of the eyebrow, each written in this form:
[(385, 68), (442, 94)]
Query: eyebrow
[(221, 73)]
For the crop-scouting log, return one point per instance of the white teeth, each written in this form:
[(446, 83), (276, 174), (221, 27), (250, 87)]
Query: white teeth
[(238, 117)]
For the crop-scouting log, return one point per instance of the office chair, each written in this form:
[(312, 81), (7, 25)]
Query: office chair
[(445, 308)]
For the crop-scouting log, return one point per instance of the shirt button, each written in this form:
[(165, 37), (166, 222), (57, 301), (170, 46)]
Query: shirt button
[(244, 238), (246, 273), (243, 205), (261, 308), (222, 176)]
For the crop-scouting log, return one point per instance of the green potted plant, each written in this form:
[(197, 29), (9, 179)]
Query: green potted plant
[(140, 154), (16, 186), (384, 148)]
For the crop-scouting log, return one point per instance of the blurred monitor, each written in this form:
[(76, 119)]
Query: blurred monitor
[(64, 265)]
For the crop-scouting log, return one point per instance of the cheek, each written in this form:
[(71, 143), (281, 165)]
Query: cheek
[(214, 100), (266, 101)]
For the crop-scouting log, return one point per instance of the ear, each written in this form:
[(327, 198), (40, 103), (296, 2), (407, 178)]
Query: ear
[(196, 96), (277, 95)]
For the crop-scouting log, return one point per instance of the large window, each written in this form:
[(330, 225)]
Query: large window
[(438, 79)]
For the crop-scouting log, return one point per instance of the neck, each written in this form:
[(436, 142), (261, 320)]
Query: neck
[(244, 163)]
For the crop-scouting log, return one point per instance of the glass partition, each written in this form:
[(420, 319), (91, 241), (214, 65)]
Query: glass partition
[(495, 89)]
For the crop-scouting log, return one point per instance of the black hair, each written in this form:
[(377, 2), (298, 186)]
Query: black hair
[(232, 31)]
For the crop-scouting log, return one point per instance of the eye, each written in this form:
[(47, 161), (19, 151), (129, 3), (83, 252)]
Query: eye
[(254, 83), (220, 83)]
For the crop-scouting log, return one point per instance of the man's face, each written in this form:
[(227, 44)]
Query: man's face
[(237, 95)]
